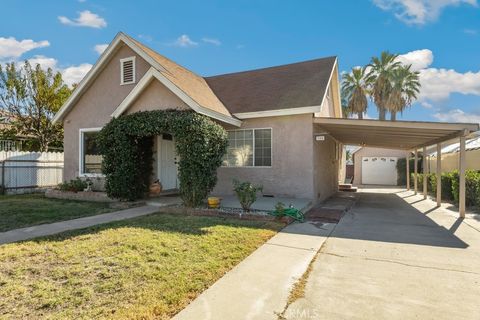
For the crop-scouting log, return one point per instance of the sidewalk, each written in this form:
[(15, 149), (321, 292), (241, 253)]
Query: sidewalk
[(80, 223), (258, 288)]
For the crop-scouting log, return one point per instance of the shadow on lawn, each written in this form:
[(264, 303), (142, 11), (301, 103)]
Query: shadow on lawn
[(171, 223)]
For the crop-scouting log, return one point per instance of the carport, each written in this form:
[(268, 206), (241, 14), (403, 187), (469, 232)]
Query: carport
[(405, 135)]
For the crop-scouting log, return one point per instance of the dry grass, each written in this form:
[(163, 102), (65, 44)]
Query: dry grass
[(143, 268)]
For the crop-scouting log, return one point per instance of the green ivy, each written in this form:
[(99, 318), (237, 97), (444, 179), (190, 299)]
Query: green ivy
[(126, 145)]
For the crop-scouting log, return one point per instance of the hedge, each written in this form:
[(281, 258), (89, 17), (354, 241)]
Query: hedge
[(451, 186), (402, 168), (126, 145)]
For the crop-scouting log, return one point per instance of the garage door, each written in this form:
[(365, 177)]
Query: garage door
[(379, 170)]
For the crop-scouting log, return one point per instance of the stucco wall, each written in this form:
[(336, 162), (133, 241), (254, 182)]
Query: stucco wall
[(372, 152), (95, 106), (325, 172), (450, 161), (156, 96), (291, 173)]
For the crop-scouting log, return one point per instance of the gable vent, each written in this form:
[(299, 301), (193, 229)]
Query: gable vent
[(127, 67)]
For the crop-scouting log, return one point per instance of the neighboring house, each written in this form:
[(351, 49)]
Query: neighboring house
[(7, 142), (376, 166), (268, 114), (450, 156)]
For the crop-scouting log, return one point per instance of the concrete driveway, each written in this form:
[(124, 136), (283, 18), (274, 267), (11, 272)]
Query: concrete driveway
[(395, 256)]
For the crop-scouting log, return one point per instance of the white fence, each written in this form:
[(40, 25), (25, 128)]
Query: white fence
[(22, 172)]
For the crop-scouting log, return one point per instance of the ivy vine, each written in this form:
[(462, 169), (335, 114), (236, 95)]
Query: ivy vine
[(126, 145)]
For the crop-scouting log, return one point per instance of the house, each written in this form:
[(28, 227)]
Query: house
[(268, 114), (376, 166)]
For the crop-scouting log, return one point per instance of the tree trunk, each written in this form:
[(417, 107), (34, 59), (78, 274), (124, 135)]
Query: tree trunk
[(360, 115), (393, 116), (381, 114)]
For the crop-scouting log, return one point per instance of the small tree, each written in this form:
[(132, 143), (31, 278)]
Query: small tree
[(246, 193), (31, 97)]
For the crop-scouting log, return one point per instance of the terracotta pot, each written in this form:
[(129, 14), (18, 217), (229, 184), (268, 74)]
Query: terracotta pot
[(155, 188)]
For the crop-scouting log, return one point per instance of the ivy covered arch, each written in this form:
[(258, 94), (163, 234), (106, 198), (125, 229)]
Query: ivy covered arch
[(126, 145)]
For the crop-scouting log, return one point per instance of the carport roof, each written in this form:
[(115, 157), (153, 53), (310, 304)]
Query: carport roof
[(405, 135)]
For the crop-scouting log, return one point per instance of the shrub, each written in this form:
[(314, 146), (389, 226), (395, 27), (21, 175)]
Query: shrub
[(75, 185), (126, 145), (472, 187), (402, 168), (246, 193)]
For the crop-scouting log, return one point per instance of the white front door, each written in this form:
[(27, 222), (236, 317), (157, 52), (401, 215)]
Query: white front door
[(167, 162), (379, 170)]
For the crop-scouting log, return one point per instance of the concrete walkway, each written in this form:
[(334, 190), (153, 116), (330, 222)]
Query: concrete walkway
[(258, 287), (395, 256), (80, 223)]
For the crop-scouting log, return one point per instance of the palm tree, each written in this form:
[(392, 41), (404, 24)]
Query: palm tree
[(405, 88), (355, 90), (380, 75)]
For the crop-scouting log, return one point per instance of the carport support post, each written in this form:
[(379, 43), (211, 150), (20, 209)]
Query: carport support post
[(462, 163), (425, 172), (415, 178), (408, 171), (439, 174)]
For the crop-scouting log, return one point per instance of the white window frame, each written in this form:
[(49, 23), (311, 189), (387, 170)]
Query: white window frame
[(80, 153), (121, 70), (271, 148)]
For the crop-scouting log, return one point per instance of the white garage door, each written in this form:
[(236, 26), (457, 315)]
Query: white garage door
[(379, 170)]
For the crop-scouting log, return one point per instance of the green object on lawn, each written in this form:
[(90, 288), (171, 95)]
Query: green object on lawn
[(290, 212)]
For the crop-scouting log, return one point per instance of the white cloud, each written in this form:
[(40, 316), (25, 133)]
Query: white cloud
[(457, 115), (184, 41), (75, 74), (419, 12), (99, 48), (213, 41), (44, 62), (472, 32), (85, 19), (70, 75), (438, 84), (426, 105), (12, 48), (419, 59)]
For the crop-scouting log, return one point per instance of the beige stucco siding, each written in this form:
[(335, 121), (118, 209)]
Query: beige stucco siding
[(95, 106), (372, 152), (326, 164), (156, 97), (301, 167)]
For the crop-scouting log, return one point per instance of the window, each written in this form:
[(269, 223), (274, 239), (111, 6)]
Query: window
[(249, 148), (127, 70), (90, 157)]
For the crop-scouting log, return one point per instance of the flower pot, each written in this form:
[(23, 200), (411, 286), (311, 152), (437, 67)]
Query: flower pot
[(213, 202), (155, 188)]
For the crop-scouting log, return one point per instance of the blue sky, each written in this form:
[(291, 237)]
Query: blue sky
[(440, 37)]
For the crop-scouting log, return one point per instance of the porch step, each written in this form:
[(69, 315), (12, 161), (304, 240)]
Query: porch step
[(347, 187)]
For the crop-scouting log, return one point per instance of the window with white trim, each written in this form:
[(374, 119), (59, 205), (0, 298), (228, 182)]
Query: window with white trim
[(249, 148), (127, 70), (90, 156)]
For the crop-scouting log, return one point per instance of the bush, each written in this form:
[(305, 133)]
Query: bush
[(246, 193), (75, 185), (126, 145), (402, 168), (472, 187)]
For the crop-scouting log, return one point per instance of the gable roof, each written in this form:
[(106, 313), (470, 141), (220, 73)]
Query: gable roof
[(182, 80), (296, 85), (287, 89)]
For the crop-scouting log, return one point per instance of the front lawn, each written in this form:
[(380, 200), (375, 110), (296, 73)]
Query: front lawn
[(143, 268), (18, 211)]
